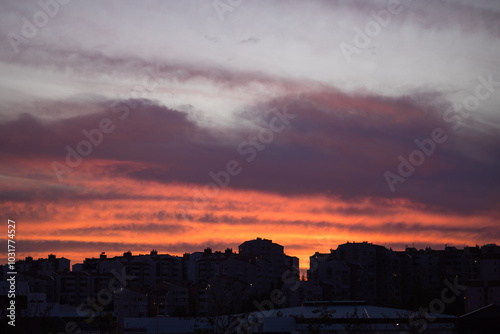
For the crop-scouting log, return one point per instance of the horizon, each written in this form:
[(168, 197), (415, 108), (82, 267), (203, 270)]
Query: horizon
[(302, 268)]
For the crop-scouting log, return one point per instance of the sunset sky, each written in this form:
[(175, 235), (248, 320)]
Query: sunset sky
[(180, 125)]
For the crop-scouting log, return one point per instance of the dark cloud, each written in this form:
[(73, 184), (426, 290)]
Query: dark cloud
[(65, 194), (32, 212), (336, 144), (210, 217), (116, 229), (86, 64)]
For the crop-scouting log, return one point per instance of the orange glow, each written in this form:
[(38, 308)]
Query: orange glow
[(96, 222)]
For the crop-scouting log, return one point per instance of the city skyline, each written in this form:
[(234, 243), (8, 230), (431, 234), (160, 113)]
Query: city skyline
[(260, 284), (303, 265)]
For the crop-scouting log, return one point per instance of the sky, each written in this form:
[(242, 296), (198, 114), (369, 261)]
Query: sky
[(181, 125)]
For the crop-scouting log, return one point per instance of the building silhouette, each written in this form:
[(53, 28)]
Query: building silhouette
[(212, 283)]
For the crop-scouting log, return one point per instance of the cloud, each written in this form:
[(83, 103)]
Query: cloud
[(339, 144), (183, 105), (118, 229)]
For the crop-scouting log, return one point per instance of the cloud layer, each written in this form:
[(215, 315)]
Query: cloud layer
[(164, 121)]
